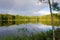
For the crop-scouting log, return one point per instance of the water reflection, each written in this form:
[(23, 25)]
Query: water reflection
[(29, 28), (17, 25), (10, 22), (9, 28)]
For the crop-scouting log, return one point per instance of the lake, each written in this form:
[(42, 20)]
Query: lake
[(23, 28)]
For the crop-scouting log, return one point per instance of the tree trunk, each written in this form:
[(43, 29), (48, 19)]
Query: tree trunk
[(52, 20)]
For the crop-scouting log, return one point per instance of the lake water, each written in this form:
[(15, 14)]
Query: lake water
[(20, 29)]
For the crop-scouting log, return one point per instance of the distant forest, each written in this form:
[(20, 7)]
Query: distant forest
[(18, 19)]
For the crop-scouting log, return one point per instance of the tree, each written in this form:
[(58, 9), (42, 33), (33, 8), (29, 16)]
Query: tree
[(52, 21), (55, 6)]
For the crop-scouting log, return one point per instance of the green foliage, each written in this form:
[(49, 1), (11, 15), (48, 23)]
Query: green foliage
[(47, 19), (56, 6), (7, 19)]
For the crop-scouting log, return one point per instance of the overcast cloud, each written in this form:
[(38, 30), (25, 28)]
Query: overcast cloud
[(23, 7)]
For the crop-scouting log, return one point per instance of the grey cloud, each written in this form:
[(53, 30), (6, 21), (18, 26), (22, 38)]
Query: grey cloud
[(26, 7), (5, 4)]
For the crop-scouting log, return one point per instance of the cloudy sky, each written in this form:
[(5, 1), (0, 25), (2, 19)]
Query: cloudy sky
[(24, 7)]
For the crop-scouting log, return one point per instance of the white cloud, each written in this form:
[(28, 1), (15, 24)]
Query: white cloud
[(42, 12)]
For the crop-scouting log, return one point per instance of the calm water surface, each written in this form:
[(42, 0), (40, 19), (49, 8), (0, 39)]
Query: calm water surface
[(29, 28)]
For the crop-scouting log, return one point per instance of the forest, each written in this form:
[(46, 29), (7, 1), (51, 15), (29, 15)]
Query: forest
[(17, 19)]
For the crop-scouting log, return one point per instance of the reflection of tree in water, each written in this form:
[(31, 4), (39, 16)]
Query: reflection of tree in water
[(4, 19), (7, 19), (13, 17)]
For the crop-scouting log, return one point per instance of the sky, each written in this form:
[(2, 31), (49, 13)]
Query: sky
[(24, 7)]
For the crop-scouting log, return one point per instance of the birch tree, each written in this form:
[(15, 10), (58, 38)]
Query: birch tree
[(52, 20)]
